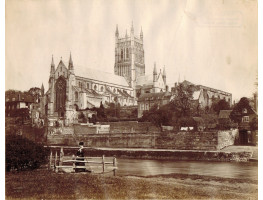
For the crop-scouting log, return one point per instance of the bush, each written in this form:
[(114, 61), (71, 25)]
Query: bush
[(22, 153)]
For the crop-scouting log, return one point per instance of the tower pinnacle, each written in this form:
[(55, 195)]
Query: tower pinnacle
[(70, 64), (141, 34), (52, 69), (117, 31), (132, 29)]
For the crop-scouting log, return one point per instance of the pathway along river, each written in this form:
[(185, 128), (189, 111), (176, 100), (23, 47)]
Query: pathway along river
[(140, 167)]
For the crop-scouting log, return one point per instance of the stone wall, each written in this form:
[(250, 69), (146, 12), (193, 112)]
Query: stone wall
[(227, 138), (131, 127), (188, 140), (213, 140), (84, 129)]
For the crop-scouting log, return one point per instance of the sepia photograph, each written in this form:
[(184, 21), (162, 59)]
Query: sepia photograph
[(131, 99)]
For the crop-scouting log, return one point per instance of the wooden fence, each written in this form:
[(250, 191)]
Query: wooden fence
[(57, 162)]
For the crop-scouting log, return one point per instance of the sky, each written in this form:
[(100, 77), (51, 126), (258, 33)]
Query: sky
[(212, 43)]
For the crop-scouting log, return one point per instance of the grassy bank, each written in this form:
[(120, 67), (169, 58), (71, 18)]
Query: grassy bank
[(48, 185)]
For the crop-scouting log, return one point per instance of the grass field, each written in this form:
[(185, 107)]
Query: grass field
[(43, 184)]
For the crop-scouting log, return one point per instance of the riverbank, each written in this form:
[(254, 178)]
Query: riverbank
[(228, 154), (42, 184)]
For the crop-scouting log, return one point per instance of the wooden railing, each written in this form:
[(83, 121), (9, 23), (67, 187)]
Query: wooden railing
[(58, 162)]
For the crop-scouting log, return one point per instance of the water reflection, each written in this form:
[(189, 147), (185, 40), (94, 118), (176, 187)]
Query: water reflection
[(220, 169)]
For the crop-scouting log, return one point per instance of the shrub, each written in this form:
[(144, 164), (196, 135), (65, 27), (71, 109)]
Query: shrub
[(22, 153)]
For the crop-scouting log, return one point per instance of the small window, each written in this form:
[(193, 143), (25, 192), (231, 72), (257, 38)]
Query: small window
[(13, 99), (88, 85), (245, 119), (101, 88), (244, 110), (95, 87)]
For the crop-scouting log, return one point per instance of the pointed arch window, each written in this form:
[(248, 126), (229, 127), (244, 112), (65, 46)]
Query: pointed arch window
[(121, 54), (76, 96), (127, 53)]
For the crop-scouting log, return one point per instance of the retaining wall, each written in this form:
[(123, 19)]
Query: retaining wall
[(212, 140)]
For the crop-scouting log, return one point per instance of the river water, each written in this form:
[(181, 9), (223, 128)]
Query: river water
[(141, 167)]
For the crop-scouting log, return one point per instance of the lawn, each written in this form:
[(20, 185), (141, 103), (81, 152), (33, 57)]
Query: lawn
[(43, 184)]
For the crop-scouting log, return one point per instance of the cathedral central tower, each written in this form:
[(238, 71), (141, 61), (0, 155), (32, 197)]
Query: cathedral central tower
[(129, 56)]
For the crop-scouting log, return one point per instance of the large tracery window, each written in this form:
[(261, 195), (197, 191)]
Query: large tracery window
[(60, 96)]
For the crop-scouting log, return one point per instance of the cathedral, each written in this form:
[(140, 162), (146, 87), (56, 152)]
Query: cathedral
[(69, 92)]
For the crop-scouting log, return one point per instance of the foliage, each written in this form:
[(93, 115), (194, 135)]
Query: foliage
[(113, 110), (222, 104), (158, 116), (22, 153), (254, 124), (236, 114), (182, 101), (82, 118), (22, 114)]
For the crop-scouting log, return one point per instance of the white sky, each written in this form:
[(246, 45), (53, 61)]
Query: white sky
[(213, 43)]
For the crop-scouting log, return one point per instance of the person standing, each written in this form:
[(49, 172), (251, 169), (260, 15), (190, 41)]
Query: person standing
[(80, 157)]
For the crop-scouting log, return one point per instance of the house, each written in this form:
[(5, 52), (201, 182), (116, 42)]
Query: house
[(148, 100)]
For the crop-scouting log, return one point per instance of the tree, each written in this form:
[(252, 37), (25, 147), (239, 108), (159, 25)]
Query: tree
[(158, 116), (182, 101), (222, 104), (22, 113), (22, 153), (236, 114), (101, 111), (254, 124)]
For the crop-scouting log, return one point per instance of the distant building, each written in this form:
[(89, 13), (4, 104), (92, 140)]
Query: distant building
[(70, 91), (15, 100), (205, 96), (148, 100)]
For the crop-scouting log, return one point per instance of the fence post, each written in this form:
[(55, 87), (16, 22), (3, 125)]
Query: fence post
[(114, 165), (103, 164), (74, 164), (50, 161), (56, 157), (61, 155)]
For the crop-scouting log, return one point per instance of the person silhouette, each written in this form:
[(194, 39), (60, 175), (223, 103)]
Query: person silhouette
[(80, 157)]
